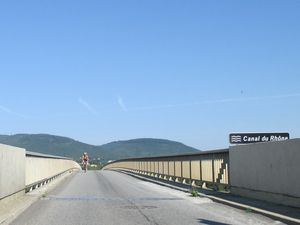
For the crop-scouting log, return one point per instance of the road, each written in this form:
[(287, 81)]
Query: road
[(109, 197)]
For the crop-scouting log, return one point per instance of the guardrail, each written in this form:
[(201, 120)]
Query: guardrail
[(265, 171), (42, 168), (22, 171), (209, 168)]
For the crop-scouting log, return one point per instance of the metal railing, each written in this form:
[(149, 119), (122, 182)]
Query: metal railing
[(204, 168)]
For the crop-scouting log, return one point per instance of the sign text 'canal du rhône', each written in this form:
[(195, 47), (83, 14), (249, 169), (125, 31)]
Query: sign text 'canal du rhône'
[(247, 138)]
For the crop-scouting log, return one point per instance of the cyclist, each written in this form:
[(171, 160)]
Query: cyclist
[(85, 161)]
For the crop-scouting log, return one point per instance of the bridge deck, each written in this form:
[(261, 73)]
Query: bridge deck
[(108, 197)]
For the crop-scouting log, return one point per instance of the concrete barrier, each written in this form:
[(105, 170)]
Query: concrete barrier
[(208, 168), (267, 171), (22, 171), (40, 167), (12, 171)]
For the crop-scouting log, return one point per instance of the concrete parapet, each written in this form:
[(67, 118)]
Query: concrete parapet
[(267, 171), (21, 170), (12, 171), (210, 166), (40, 168)]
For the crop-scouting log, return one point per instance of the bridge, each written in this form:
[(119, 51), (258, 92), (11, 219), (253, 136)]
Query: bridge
[(247, 184)]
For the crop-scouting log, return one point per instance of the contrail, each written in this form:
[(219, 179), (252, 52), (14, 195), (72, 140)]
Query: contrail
[(86, 105), (5, 109), (225, 100), (9, 111), (122, 104)]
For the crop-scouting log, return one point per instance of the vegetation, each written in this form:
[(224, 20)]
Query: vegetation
[(248, 210), (63, 146), (194, 192), (97, 166)]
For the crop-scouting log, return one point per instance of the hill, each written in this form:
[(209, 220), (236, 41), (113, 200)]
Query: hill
[(143, 147), (48, 144), (63, 146)]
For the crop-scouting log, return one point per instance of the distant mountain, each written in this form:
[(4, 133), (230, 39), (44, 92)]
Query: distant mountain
[(48, 144), (63, 146), (143, 147)]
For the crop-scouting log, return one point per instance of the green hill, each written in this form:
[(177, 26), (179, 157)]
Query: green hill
[(143, 147), (63, 146)]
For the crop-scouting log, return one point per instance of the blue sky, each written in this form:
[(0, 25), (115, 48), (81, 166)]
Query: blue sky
[(190, 71)]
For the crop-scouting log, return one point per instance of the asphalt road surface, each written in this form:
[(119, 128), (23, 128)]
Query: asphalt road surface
[(108, 197)]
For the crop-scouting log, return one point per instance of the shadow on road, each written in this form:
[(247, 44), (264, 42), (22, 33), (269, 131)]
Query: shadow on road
[(210, 222)]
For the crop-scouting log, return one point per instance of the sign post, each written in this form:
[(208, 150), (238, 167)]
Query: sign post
[(248, 138)]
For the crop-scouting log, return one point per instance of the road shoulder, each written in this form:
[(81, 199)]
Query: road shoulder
[(288, 215), (12, 209)]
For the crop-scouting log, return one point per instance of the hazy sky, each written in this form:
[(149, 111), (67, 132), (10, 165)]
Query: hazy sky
[(190, 71)]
